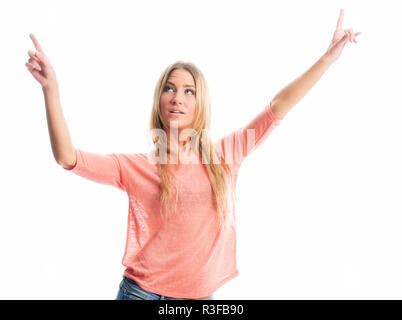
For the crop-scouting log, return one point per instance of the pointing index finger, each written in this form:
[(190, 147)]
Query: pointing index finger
[(340, 20), (36, 43)]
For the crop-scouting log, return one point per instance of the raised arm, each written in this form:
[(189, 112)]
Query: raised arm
[(41, 69), (289, 96)]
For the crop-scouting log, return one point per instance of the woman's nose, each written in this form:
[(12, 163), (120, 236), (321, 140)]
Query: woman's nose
[(177, 99)]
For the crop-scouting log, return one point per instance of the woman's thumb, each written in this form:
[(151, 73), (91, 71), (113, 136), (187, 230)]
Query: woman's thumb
[(39, 55)]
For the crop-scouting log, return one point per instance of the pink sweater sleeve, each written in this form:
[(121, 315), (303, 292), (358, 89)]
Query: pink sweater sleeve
[(103, 169), (237, 145)]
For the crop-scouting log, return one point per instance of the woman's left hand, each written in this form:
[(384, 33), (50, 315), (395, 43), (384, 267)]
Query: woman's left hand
[(339, 39)]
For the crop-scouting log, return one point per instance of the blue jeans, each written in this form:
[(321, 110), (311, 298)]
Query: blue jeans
[(130, 290)]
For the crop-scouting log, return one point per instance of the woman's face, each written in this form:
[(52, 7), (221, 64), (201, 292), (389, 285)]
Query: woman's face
[(178, 94)]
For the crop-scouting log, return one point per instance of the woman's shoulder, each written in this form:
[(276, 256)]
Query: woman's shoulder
[(138, 158)]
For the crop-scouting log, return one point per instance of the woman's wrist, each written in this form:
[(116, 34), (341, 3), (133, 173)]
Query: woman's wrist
[(326, 58), (53, 86)]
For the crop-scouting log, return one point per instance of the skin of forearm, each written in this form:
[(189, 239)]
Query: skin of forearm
[(289, 96), (60, 139)]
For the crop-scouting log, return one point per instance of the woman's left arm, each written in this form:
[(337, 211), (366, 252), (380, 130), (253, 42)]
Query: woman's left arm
[(289, 96)]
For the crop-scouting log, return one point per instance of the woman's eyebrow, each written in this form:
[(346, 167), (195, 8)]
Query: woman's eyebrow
[(187, 85)]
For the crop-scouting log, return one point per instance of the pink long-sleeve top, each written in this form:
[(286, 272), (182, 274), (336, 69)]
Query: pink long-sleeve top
[(187, 256)]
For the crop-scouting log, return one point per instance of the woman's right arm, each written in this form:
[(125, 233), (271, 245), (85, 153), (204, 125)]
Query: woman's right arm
[(41, 69), (103, 169), (60, 139)]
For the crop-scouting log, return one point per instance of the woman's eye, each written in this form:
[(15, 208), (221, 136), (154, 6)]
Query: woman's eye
[(167, 88)]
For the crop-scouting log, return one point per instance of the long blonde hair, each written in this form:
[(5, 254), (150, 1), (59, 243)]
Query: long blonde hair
[(220, 175)]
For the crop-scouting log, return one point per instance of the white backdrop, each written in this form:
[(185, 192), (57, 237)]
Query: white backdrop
[(319, 205)]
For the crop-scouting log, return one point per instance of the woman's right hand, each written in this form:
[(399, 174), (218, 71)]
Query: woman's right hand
[(39, 66)]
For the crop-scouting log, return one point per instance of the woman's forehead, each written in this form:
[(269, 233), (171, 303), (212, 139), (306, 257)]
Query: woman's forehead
[(181, 76)]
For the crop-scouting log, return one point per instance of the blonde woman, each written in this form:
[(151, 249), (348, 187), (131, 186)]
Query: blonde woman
[(181, 236)]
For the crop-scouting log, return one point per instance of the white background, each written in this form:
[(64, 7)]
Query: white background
[(319, 205)]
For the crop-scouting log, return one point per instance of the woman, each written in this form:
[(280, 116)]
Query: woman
[(181, 238)]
